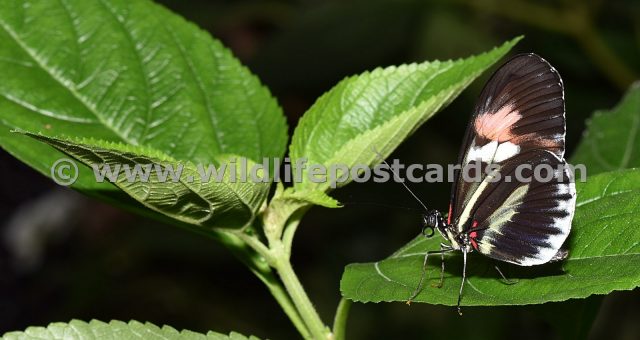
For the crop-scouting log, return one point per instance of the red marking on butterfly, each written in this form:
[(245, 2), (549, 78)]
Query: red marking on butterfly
[(473, 235)]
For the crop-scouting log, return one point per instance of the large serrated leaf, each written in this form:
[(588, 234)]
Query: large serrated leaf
[(127, 71), (379, 109), (116, 330), (174, 188), (604, 250), (612, 138)]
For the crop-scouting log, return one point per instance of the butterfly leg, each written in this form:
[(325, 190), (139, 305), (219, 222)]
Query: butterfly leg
[(504, 278), (424, 271), (443, 247), (464, 277)]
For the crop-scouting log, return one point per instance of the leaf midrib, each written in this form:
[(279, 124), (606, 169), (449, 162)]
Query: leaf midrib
[(212, 115), (141, 69), (73, 29)]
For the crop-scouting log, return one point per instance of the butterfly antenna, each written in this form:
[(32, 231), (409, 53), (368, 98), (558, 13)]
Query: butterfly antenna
[(380, 205), (397, 176)]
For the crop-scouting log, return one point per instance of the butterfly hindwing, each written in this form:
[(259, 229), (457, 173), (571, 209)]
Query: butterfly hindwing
[(524, 222)]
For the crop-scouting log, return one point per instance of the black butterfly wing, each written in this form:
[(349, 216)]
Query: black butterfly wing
[(519, 118), (524, 220), (524, 100), (521, 105)]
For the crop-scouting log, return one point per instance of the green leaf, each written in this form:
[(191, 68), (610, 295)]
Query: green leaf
[(95, 329), (309, 197), (380, 109), (127, 71), (612, 138), (174, 188), (287, 202), (603, 255)]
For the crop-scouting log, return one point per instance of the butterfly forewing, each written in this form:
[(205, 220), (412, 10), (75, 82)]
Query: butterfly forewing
[(519, 119), (523, 105)]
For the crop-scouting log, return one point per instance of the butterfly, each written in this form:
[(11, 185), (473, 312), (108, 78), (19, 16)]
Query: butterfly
[(518, 125)]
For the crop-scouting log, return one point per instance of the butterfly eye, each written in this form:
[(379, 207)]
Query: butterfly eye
[(431, 229)]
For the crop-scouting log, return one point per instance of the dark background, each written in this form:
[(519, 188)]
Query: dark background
[(73, 257)]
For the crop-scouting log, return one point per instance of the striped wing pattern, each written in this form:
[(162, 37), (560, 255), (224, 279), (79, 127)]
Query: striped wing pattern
[(524, 223)]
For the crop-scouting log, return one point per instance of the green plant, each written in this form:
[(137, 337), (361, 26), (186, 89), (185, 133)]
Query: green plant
[(149, 87)]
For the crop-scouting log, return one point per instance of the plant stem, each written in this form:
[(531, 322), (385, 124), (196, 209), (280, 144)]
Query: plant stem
[(340, 321), (255, 244), (235, 241), (290, 229), (280, 220), (281, 296), (299, 297)]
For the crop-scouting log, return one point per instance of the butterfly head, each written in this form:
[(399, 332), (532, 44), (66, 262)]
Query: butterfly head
[(433, 220)]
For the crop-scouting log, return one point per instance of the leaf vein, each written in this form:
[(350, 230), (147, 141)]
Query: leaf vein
[(63, 82)]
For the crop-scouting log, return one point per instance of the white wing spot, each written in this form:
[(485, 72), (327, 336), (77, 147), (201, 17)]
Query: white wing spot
[(484, 153), (505, 151)]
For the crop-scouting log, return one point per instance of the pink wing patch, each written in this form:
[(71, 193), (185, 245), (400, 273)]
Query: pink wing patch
[(497, 126)]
